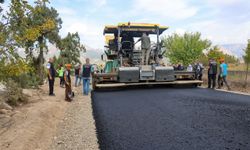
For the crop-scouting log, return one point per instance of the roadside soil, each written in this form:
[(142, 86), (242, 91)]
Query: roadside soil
[(234, 85), (37, 125)]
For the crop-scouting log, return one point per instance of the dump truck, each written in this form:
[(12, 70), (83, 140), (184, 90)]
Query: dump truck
[(124, 66)]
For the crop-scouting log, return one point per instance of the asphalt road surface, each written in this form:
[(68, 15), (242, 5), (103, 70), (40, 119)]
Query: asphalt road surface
[(171, 119)]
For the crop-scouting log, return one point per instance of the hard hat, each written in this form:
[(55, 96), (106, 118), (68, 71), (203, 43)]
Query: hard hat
[(67, 65), (222, 59)]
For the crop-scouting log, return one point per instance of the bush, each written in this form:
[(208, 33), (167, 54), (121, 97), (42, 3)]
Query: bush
[(14, 95), (13, 69), (27, 80)]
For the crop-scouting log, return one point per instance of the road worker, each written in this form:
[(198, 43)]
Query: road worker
[(223, 74), (67, 80), (212, 71), (51, 76), (145, 47)]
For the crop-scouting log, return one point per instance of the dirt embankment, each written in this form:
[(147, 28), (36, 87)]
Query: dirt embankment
[(32, 126), (36, 125), (235, 79)]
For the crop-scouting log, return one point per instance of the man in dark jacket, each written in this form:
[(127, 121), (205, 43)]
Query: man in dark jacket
[(86, 74), (51, 76), (212, 71)]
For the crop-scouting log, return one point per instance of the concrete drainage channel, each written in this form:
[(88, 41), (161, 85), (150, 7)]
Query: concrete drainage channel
[(172, 118)]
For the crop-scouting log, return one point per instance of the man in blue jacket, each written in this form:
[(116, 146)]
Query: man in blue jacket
[(223, 74)]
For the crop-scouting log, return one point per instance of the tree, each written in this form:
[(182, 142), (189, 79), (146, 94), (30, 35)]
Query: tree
[(33, 28), (45, 25), (247, 61), (11, 27), (12, 65), (215, 53), (185, 48), (70, 49), (13, 69)]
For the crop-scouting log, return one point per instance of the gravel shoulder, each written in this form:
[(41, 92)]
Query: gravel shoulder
[(77, 129)]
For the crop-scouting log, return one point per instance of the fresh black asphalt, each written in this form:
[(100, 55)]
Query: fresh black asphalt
[(171, 119)]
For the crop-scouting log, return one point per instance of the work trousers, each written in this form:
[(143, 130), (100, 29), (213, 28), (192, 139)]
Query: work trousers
[(68, 92), (51, 86), (85, 89), (219, 81), (61, 81), (77, 78), (211, 78), (145, 53), (222, 80)]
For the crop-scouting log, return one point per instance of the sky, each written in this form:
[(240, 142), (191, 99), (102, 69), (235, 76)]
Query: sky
[(221, 21)]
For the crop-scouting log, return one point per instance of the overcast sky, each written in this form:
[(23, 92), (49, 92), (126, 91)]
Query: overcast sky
[(222, 21)]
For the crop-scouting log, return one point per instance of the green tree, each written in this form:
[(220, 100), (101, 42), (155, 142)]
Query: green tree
[(203, 59), (11, 26), (215, 53), (185, 48), (71, 49), (45, 24), (34, 28), (247, 61), (31, 28), (12, 65)]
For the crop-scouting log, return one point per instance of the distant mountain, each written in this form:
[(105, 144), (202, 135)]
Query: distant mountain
[(53, 51), (236, 50), (93, 54)]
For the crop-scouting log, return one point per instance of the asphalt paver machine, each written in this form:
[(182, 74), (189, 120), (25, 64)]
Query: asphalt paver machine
[(124, 66)]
